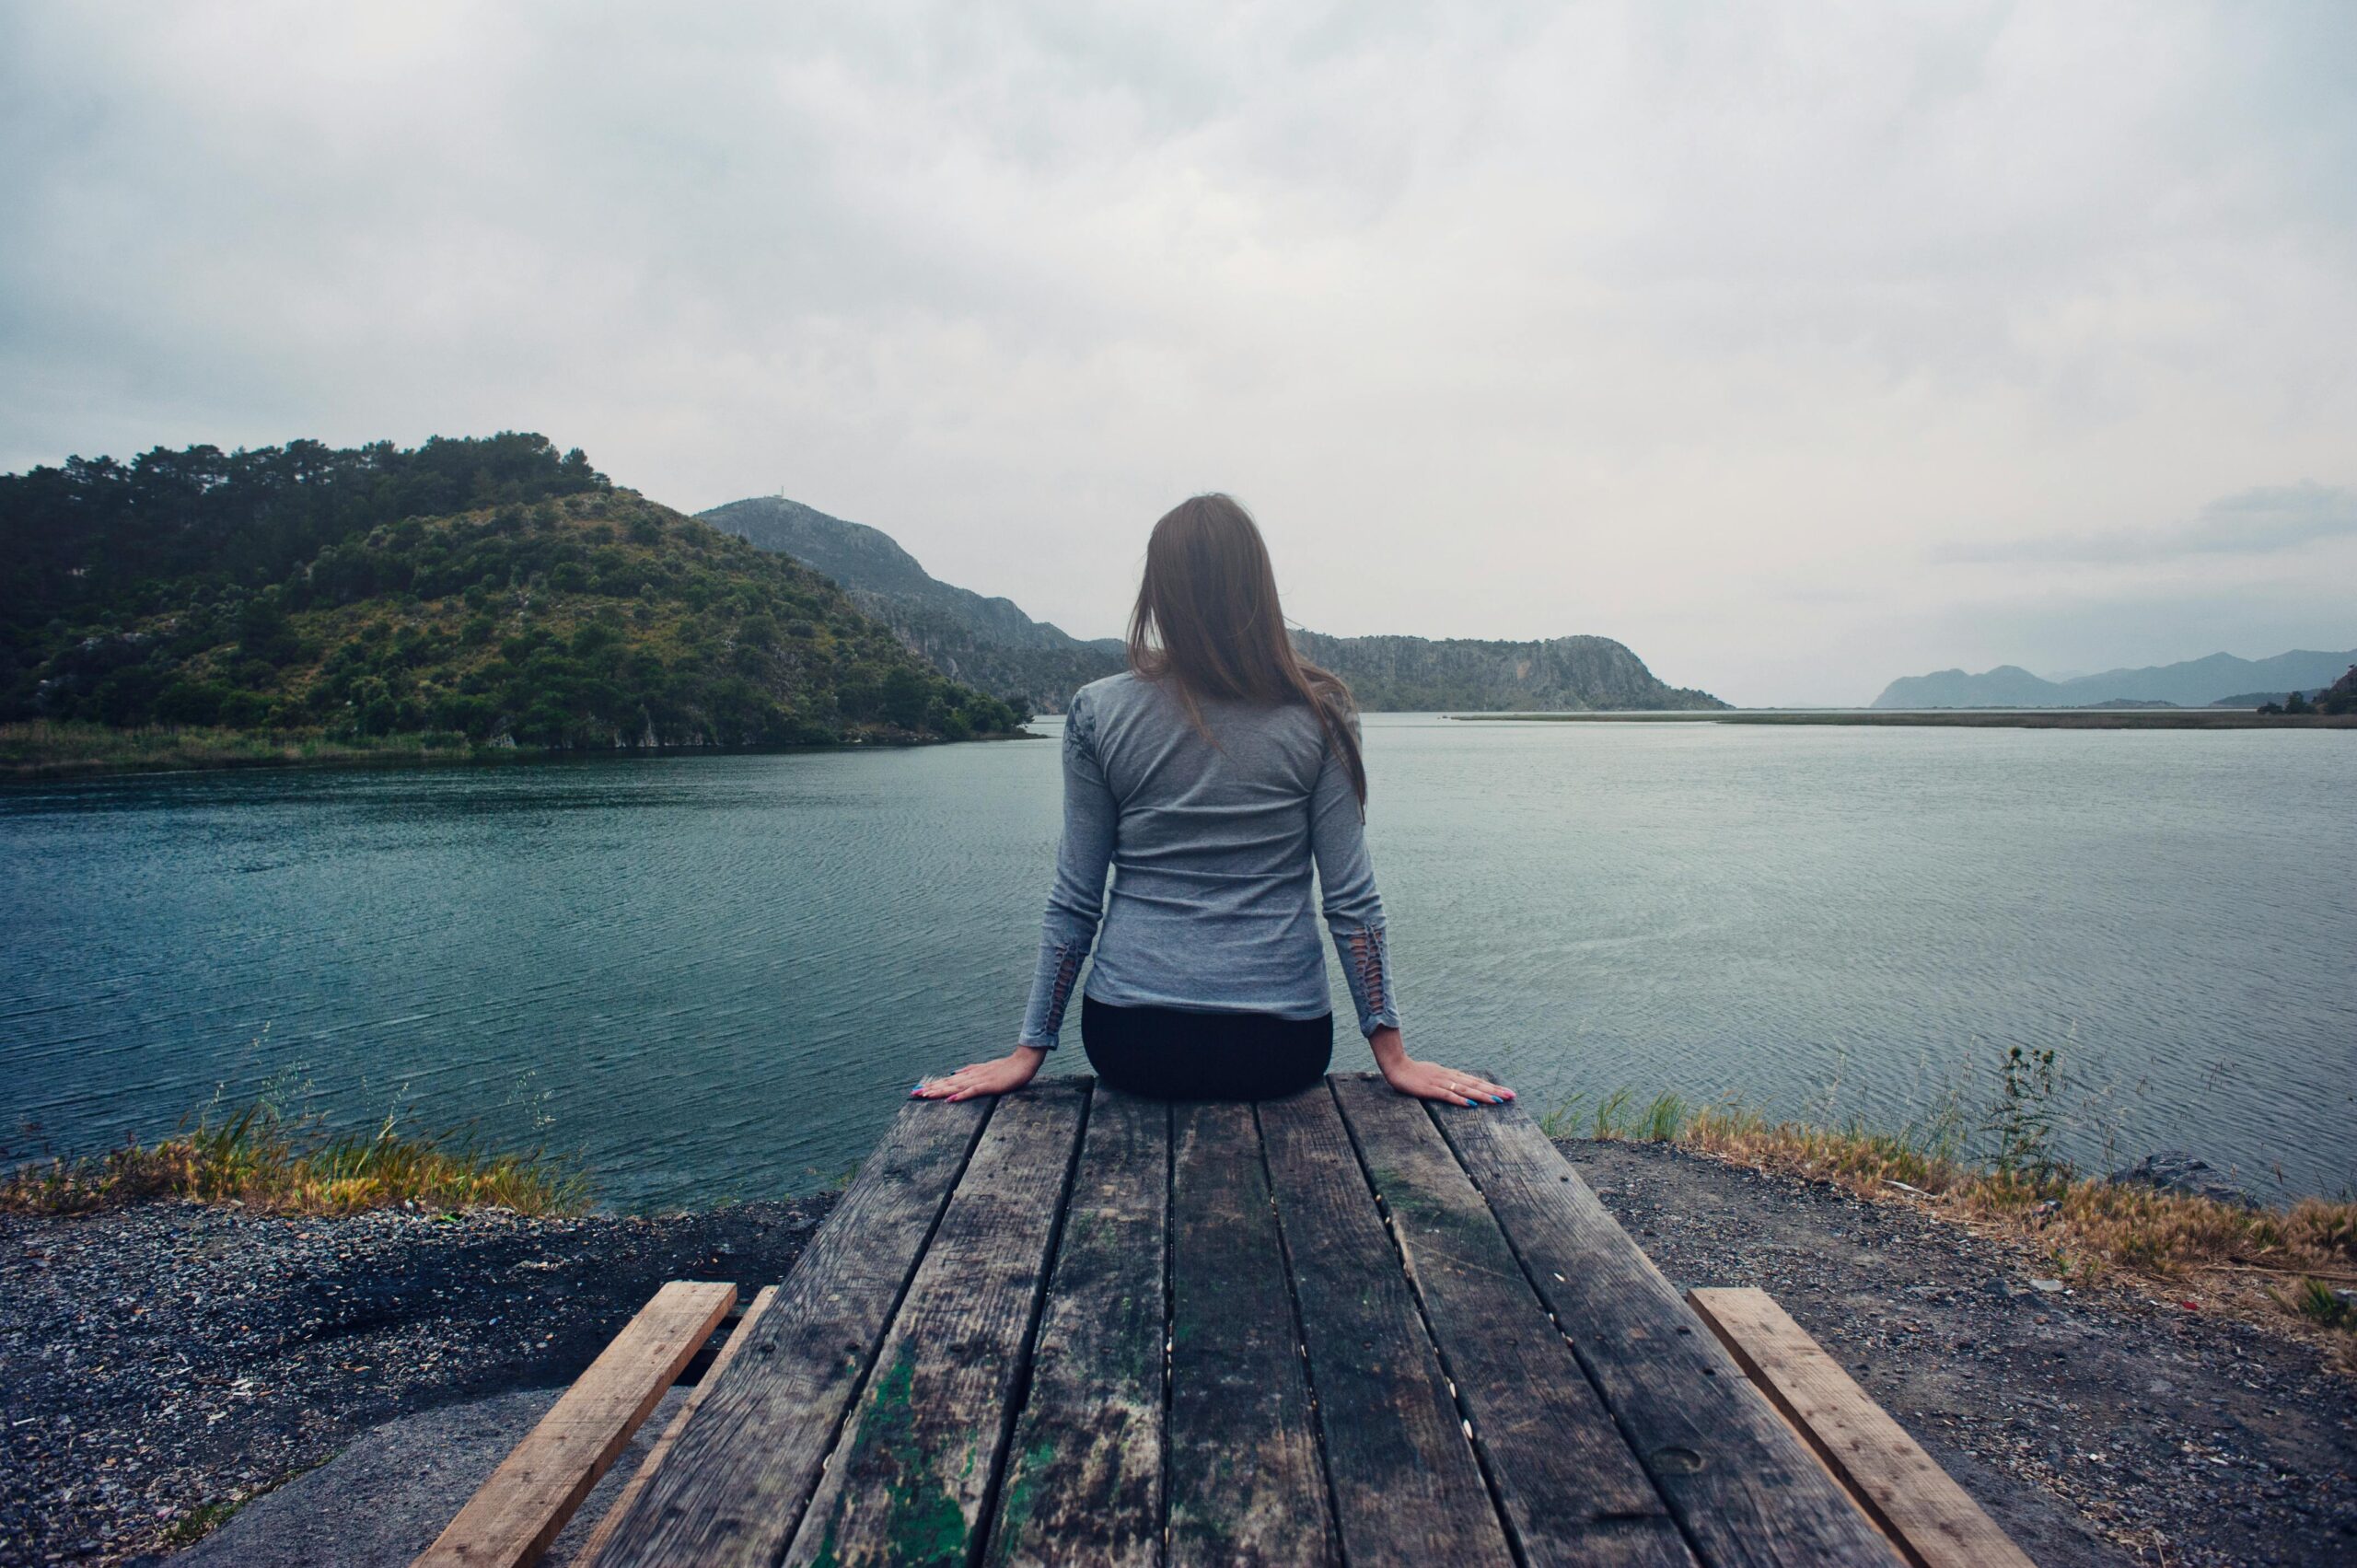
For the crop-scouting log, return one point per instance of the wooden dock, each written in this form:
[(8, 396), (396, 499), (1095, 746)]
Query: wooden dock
[(1075, 1327)]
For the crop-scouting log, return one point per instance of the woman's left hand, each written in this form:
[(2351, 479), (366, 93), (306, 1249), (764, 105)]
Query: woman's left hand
[(1004, 1076), (1430, 1080)]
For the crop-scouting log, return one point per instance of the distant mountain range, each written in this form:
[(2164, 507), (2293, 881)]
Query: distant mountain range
[(987, 642), (991, 643), (2219, 678)]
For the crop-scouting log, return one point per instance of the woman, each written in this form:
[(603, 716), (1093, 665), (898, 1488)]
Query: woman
[(1213, 775)]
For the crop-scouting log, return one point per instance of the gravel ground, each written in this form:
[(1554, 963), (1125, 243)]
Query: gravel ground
[(2102, 1428), (171, 1358)]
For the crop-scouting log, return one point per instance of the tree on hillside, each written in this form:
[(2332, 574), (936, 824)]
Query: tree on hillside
[(484, 590)]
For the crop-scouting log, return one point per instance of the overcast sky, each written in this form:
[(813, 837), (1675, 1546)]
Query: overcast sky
[(1798, 347)]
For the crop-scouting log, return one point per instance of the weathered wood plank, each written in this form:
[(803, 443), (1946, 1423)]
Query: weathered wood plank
[(738, 1479), (514, 1515), (1247, 1487), (1084, 1477), (1742, 1487), (660, 1449), (1407, 1488), (910, 1484), (1572, 1491), (1933, 1521)]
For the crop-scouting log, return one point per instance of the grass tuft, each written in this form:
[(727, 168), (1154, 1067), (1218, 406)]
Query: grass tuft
[(201, 1521), (2317, 1300), (281, 1165)]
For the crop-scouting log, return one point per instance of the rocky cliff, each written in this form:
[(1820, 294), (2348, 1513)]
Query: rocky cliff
[(1560, 674)]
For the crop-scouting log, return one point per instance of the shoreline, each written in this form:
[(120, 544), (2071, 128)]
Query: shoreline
[(165, 1365), (1956, 718), (37, 753)]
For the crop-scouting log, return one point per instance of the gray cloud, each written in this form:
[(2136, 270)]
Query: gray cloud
[(1706, 326), (2250, 522), (2274, 518)]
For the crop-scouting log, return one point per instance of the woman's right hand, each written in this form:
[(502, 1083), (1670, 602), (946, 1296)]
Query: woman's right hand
[(1429, 1080)]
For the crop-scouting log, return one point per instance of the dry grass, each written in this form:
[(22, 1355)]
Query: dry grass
[(2164, 1234), (279, 1165), (2084, 1228), (1856, 1156)]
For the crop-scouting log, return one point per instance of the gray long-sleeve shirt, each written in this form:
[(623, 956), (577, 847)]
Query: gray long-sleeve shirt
[(1212, 845)]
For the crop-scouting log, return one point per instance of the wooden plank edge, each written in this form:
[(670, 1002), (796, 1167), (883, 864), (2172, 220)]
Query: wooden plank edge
[(465, 1540), (983, 1536), (1486, 1461), (1300, 1325), (1897, 1518), (661, 1447)]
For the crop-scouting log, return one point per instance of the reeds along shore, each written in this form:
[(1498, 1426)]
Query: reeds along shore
[(277, 1164)]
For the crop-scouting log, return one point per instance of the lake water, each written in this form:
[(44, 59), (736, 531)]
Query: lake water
[(716, 976)]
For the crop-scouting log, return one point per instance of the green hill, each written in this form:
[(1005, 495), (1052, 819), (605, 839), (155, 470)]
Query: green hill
[(484, 591)]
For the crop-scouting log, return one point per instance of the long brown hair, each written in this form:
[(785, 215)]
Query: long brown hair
[(1208, 624)]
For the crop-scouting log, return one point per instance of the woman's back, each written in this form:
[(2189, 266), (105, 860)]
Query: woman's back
[(1211, 848)]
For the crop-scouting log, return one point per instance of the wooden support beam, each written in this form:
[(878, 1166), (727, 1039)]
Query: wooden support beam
[(1903, 1489), (660, 1449), (511, 1519)]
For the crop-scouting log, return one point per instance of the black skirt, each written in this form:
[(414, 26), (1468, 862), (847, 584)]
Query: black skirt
[(1168, 1053)]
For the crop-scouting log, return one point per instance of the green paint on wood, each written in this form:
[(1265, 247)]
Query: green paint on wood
[(923, 1522), (1022, 1497)]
